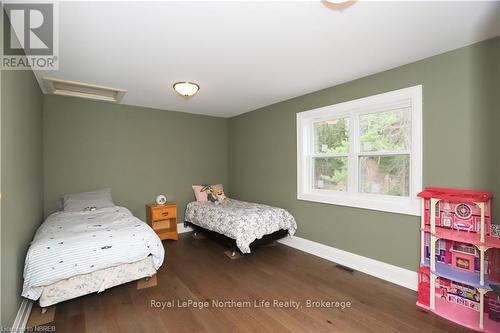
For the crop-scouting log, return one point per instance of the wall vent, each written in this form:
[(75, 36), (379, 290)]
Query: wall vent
[(84, 90)]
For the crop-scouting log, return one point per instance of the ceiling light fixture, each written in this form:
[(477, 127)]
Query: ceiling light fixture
[(338, 5), (186, 89)]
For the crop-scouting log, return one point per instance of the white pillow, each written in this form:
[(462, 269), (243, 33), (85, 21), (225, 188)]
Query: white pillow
[(86, 201)]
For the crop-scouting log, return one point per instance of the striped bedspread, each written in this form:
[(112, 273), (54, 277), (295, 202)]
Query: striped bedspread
[(73, 243)]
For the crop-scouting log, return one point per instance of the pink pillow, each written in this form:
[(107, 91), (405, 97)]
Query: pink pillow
[(202, 196)]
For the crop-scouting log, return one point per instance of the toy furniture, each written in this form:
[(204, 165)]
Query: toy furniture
[(460, 258)]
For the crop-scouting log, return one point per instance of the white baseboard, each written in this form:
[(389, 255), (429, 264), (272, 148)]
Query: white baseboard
[(23, 314), (182, 229), (394, 274)]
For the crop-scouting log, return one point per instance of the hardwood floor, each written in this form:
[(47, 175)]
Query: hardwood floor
[(198, 270)]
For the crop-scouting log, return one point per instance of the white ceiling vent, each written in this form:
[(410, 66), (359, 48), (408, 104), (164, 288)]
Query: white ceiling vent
[(84, 90)]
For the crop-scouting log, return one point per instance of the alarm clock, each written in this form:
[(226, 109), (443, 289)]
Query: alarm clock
[(161, 199)]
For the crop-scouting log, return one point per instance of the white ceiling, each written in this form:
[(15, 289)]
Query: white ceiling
[(245, 55)]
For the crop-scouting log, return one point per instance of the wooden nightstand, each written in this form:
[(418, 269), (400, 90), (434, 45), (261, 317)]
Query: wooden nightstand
[(163, 220)]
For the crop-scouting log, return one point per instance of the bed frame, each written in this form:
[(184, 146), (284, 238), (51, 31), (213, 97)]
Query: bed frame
[(231, 243)]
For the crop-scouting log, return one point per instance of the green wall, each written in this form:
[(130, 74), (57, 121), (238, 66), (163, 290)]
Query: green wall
[(21, 180), (137, 152), (460, 101)]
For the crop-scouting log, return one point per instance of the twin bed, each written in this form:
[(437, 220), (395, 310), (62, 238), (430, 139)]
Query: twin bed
[(94, 245), (239, 223), (77, 253)]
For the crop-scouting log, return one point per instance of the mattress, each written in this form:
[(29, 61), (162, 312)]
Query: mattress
[(240, 220), (97, 281)]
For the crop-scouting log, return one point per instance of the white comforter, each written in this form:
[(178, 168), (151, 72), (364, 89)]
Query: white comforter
[(73, 243)]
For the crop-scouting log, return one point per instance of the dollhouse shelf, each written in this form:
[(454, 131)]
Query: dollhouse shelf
[(463, 236), (492, 241), (458, 275)]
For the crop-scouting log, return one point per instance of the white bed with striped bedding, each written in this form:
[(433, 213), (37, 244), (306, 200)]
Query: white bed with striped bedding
[(69, 244)]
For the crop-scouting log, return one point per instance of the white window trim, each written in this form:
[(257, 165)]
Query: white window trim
[(412, 97)]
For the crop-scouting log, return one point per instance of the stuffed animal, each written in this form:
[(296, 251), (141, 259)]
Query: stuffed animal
[(214, 195), (219, 195)]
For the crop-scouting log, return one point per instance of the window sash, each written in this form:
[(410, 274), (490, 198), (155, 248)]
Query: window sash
[(313, 174), (313, 133), (381, 110), (359, 177)]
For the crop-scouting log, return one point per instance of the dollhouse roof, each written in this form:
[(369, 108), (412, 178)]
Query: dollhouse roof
[(455, 194)]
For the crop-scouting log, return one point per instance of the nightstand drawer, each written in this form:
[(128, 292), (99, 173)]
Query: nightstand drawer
[(163, 213)]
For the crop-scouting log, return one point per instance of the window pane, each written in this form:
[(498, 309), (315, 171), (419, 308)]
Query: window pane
[(387, 175), (330, 173), (385, 131), (331, 136)]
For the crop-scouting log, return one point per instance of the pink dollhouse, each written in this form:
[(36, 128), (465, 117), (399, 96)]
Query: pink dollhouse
[(460, 258)]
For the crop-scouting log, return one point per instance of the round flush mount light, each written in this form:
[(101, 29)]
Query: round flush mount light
[(186, 89), (338, 5)]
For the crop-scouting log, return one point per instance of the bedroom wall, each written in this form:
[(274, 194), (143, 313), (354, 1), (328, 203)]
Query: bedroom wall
[(460, 99), (21, 181), (137, 152)]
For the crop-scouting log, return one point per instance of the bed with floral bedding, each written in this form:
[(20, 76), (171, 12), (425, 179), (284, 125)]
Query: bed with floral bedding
[(242, 221)]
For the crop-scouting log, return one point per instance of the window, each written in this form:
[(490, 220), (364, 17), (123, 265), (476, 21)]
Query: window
[(365, 153)]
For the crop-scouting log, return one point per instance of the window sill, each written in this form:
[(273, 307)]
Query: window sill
[(397, 205)]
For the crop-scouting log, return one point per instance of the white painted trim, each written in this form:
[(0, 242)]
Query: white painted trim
[(182, 229), (407, 97), (406, 206), (23, 314), (394, 274)]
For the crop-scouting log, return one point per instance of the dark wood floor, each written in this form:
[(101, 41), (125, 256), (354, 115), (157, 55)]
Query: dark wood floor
[(198, 270)]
